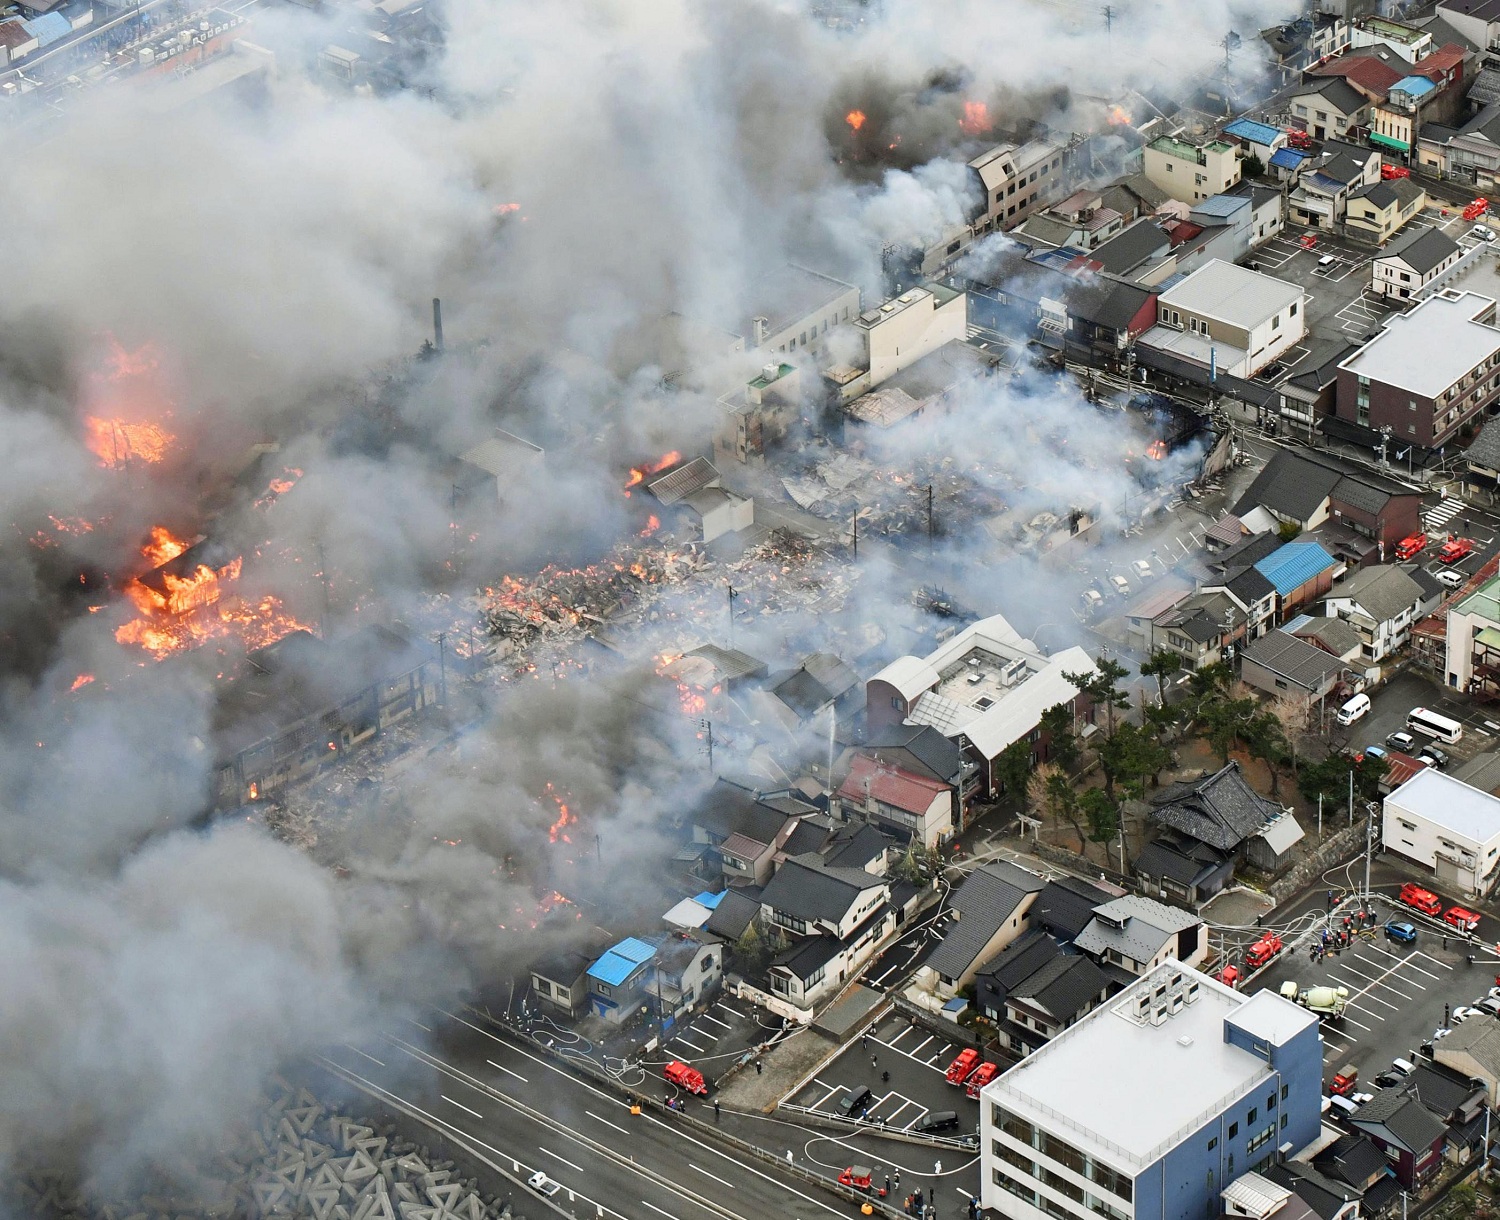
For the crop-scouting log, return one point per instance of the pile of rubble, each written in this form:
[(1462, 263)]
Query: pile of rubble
[(303, 1161)]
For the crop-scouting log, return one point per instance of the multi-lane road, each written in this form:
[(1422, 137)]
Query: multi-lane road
[(527, 1113)]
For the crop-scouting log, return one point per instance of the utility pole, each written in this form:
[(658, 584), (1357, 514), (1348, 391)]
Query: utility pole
[(732, 595), (708, 736), (1351, 795), (1109, 19), (856, 532), (1369, 843), (327, 590), (929, 518), (443, 666)]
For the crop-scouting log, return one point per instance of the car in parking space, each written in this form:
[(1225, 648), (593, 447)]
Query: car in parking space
[(1092, 600), (1120, 585), (1433, 756), (1482, 233), (1387, 1080), (855, 1100), (1489, 1004), (542, 1184), (936, 1120), (1402, 741), (1450, 579), (1400, 930), (1370, 752), (1463, 1012), (1142, 568), (1402, 1067), (1455, 549)]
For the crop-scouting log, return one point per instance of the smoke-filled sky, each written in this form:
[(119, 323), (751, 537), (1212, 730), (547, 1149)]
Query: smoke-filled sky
[(263, 259)]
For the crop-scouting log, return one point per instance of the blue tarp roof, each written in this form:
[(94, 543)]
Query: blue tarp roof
[(1293, 565), (1248, 129), (1413, 86), (1287, 158), (48, 28), (711, 901), (619, 962)]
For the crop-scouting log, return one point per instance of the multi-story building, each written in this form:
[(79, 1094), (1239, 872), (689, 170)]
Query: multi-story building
[(1191, 172), (1378, 211), (1428, 374), (1412, 263), (1329, 108), (898, 333), (1151, 1104), (1447, 826), (1381, 604), (1473, 640), (1228, 319)]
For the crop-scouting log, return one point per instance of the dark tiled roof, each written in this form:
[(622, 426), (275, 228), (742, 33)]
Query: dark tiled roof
[(1485, 451), (1361, 495), (1396, 1114), (730, 808), (806, 891), (1441, 1089), (1221, 810), (1131, 247), (734, 913), (919, 748), (1351, 1158), (1249, 585), (1290, 485), (986, 899), (1176, 860), (1246, 552), (1065, 905), (1293, 659), (805, 837), (809, 955), (855, 847), (1340, 93), (1063, 986)]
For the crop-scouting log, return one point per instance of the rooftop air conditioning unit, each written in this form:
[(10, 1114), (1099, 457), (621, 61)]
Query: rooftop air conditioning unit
[(1190, 993), (1158, 1014), (1013, 672)]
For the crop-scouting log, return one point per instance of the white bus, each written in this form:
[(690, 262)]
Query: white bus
[(1420, 720)]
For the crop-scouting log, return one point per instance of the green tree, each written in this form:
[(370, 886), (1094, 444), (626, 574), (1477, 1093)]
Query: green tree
[(1464, 1198), (1103, 687), (1161, 665), (1052, 794), (909, 867), (1265, 736), (1012, 769), (1330, 779), (1057, 722), (1288, 530), (1225, 718), (1131, 756), (1102, 813), (1252, 167)]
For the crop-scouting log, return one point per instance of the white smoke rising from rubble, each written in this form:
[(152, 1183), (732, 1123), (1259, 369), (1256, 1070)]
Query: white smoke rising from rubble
[(663, 156)]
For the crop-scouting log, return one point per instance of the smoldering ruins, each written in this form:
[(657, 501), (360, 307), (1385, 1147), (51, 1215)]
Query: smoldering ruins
[(348, 664)]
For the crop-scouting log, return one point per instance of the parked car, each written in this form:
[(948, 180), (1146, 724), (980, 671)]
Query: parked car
[(1489, 1004), (1142, 568), (1451, 579), (1369, 752), (1120, 585), (1401, 931), (1463, 1012), (936, 1120), (1434, 756), (1387, 1080), (1404, 742), (1482, 232), (855, 1100), (1092, 600)]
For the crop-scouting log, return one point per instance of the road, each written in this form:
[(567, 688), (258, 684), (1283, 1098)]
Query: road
[(528, 1114)]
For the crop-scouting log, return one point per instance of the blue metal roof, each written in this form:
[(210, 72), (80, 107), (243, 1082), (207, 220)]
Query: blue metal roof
[(1222, 205), (1287, 158), (1256, 133), (48, 28), (1413, 86), (711, 901), (619, 962), (1292, 566)]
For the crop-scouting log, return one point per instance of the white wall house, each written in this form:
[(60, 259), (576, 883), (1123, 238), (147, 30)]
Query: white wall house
[(1230, 319), (1443, 824)]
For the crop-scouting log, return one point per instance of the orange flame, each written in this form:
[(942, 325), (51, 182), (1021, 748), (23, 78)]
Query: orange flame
[(653, 523), (1118, 116), (855, 119), (505, 209), (557, 832), (1156, 450), (81, 681), (976, 120), (639, 473), (163, 546), (126, 401), (278, 487), (115, 441)]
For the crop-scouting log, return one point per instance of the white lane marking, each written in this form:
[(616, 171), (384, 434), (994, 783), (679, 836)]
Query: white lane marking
[(556, 1157), (606, 1122), (706, 1174), (418, 1024), (716, 1021), (923, 1043), (370, 1057), (507, 1071), (685, 1042), (658, 1210), (460, 1105)]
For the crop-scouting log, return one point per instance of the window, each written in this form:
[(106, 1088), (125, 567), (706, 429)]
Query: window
[(953, 247), (1292, 312), (1271, 1102), (1234, 1129), (1251, 1117), (1262, 1138), (1276, 322), (1213, 1143)]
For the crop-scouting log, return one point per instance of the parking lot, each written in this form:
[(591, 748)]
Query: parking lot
[(916, 1059), (1391, 704), (714, 1040)]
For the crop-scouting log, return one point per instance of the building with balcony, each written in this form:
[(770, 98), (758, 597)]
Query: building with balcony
[(1381, 604), (1473, 641), (1329, 107), (1428, 373), (1412, 263), (1191, 172), (1152, 1103)]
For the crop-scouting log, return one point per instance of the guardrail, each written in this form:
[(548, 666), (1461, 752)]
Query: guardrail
[(867, 1126)]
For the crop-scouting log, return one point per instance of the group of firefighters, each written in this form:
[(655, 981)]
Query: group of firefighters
[(1335, 940)]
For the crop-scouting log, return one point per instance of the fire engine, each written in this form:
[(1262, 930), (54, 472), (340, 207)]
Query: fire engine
[(959, 1069), (980, 1077), (1417, 898), (861, 1177), (1460, 918), (1347, 1077), (1476, 209), (685, 1077), (1410, 545), (1455, 549), (1263, 950)]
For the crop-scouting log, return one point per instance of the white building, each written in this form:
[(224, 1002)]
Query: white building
[(1229, 319), (898, 333), (1412, 263), (1381, 603), (1445, 825), (1473, 640), (1151, 1104), (1191, 172), (793, 309)]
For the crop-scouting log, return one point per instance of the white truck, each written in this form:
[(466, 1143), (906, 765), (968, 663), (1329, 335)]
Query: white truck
[(1325, 1001)]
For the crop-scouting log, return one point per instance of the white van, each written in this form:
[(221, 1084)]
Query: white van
[(1354, 709), (1402, 1066), (1343, 1105)]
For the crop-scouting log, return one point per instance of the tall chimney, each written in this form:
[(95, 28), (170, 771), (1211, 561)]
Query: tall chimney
[(437, 323)]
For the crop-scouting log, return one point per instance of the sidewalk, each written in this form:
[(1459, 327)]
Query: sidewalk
[(784, 1067)]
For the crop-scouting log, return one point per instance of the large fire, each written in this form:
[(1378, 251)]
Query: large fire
[(127, 404), (176, 612), (855, 119), (1118, 116), (558, 831), (976, 119), (118, 441), (638, 473)]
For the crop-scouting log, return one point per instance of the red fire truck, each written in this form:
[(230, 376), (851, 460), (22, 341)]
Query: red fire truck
[(980, 1077), (1419, 899), (1263, 950), (959, 1069), (686, 1077)]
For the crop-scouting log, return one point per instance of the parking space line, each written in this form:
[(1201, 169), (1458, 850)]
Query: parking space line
[(716, 1021), (831, 1090), (907, 1029), (924, 1062), (1407, 961), (922, 1043), (1382, 979), (700, 1049), (1435, 962)]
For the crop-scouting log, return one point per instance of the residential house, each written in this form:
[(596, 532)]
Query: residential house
[(1306, 393), (560, 980), (1469, 153), (618, 980), (1258, 140), (923, 750), (986, 687), (1252, 1196), (1472, 1050), (1482, 458), (1191, 172), (1306, 489), (895, 335), (1140, 254), (1355, 1161), (1267, 210), (1409, 1134), (1289, 668), (758, 413), (989, 910), (1447, 826), (1332, 635), (1400, 272), (806, 693), (1322, 1197), (1433, 93), (1222, 811), (1328, 108), (695, 490), (1080, 222), (1183, 869), (1370, 75), (1228, 319), (499, 469), (1033, 991), (1151, 1103), (1458, 1101), (1302, 572), (1377, 212), (837, 917), (1105, 317), (686, 970), (1201, 629), (1139, 934), (752, 824), (1428, 374), (1321, 196), (1252, 590), (1381, 604), (1142, 611), (1405, 42), (912, 807), (1472, 660), (735, 912), (1065, 906), (1477, 20)]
